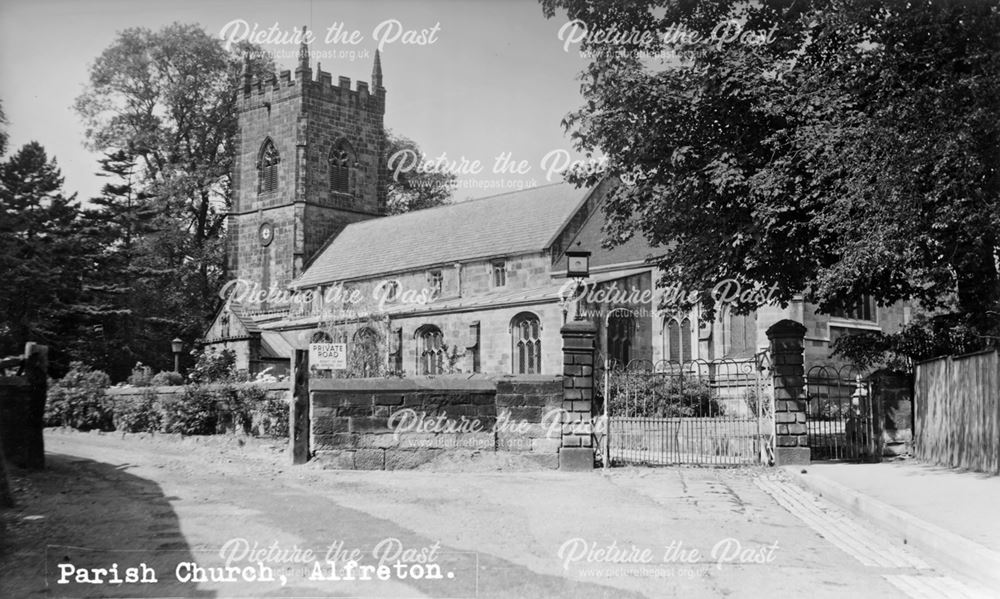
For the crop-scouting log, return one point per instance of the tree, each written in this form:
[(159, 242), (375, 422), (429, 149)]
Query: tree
[(42, 256), (168, 99), (128, 318), (3, 132), (411, 187), (852, 151)]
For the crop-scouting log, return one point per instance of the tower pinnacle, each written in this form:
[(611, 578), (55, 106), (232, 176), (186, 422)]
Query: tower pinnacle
[(377, 71), (303, 54)]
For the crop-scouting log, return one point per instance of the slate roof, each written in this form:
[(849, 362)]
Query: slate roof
[(506, 224), (503, 298)]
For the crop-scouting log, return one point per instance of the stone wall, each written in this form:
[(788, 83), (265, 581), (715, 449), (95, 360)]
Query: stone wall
[(393, 424)]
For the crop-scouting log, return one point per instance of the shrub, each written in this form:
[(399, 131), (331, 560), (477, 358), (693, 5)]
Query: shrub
[(167, 379), (194, 413), (142, 416), (254, 411), (638, 394), (211, 367), (269, 415), (78, 400), (142, 375)]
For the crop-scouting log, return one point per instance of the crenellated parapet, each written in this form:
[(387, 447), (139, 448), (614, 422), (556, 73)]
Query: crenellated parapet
[(284, 87)]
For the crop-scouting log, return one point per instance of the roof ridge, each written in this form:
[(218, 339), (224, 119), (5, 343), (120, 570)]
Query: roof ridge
[(457, 204)]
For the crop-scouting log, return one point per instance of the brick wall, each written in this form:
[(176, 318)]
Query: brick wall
[(393, 424)]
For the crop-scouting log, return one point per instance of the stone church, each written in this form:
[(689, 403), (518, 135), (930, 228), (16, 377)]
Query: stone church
[(472, 287)]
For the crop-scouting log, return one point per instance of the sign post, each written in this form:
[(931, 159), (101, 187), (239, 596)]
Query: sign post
[(298, 413), (328, 356)]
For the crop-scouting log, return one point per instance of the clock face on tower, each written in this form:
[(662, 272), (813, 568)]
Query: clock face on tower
[(266, 234)]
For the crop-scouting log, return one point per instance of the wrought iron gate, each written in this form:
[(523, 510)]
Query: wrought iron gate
[(700, 412), (839, 415)]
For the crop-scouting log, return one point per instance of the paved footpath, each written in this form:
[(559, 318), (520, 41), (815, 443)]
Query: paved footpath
[(670, 532), (965, 503), (948, 515)]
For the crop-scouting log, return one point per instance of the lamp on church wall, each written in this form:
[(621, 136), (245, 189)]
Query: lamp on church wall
[(577, 264), (578, 269), (177, 345)]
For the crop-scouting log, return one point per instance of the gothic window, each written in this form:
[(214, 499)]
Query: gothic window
[(862, 309), (396, 350), (527, 345), (321, 337), (391, 290), (267, 167), (341, 161), (499, 273), (621, 332), (436, 281), (677, 339), (430, 350), (739, 334), (366, 352)]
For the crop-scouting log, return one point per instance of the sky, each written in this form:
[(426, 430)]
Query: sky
[(493, 79)]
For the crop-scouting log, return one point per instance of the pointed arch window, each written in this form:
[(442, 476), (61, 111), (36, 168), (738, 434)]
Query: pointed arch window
[(366, 352), (677, 339), (321, 337), (267, 167), (342, 160), (430, 350), (526, 353), (621, 334)]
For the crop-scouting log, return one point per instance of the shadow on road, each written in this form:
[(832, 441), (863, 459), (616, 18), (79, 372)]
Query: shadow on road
[(80, 514)]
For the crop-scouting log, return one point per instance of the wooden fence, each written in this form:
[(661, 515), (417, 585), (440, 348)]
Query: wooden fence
[(957, 417)]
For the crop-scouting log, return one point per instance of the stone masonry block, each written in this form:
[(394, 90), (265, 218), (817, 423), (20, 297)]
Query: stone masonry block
[(796, 429), (335, 459), (409, 459), (786, 441), (329, 426), (545, 445), (380, 441), (369, 425), (576, 459), (369, 459)]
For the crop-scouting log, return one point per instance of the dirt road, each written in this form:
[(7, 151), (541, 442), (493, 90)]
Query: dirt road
[(187, 508)]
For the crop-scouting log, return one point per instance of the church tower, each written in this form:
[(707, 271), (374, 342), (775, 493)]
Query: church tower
[(309, 161)]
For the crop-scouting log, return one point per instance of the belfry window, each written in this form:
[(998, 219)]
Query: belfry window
[(267, 167), (341, 161)]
